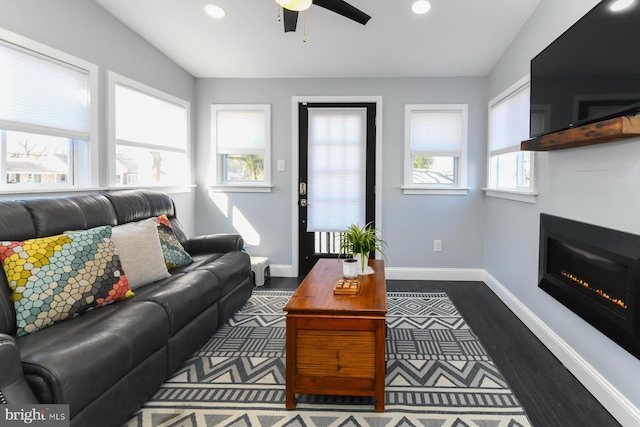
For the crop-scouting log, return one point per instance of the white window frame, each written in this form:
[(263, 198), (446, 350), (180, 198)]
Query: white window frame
[(113, 80), (520, 194), (460, 186), (85, 153), (216, 181)]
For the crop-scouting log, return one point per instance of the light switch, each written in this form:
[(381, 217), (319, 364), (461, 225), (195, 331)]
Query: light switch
[(281, 165)]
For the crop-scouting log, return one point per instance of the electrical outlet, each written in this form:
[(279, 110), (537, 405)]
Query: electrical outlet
[(437, 245)]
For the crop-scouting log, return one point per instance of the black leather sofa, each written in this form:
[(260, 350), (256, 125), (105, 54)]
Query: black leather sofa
[(106, 362)]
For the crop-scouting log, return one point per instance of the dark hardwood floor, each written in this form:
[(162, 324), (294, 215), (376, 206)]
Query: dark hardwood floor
[(550, 394)]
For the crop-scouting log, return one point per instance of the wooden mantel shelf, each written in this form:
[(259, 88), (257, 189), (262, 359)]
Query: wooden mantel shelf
[(609, 130)]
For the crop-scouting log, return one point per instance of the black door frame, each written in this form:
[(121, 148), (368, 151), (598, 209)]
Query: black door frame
[(337, 102)]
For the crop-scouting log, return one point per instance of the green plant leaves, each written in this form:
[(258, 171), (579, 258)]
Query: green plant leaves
[(362, 240)]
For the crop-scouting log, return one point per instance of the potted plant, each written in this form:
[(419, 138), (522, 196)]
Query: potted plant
[(360, 241)]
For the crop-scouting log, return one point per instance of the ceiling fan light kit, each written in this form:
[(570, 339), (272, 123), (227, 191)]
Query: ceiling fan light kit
[(291, 9), (295, 5)]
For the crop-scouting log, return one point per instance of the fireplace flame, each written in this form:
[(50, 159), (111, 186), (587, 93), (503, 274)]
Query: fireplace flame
[(599, 292)]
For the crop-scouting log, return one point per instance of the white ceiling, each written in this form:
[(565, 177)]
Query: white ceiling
[(456, 38)]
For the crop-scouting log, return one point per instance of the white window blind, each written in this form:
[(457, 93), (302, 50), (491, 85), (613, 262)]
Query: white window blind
[(42, 95), (509, 122), (436, 133), (145, 119), (336, 181), (241, 131)]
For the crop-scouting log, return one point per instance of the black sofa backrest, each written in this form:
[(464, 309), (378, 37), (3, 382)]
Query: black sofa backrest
[(133, 206), (137, 205), (47, 216), (53, 216)]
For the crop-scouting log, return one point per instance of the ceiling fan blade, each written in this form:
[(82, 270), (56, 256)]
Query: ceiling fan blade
[(290, 20), (343, 8)]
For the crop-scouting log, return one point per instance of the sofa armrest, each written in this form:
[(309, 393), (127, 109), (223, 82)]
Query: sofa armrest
[(13, 386), (215, 243)]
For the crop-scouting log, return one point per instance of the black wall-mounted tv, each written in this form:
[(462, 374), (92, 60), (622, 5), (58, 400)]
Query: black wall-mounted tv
[(590, 73)]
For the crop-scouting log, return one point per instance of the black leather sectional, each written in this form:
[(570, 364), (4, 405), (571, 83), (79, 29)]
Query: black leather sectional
[(106, 362)]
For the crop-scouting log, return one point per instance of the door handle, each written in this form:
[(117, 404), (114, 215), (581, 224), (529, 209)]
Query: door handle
[(303, 203)]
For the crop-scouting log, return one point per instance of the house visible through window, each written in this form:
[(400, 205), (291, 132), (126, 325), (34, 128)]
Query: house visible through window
[(241, 141), (510, 170), (36, 159), (151, 132), (435, 148), (45, 116)]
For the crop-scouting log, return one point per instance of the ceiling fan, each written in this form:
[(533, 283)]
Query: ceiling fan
[(291, 9)]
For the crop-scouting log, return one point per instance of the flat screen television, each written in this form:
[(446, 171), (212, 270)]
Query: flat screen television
[(590, 73)]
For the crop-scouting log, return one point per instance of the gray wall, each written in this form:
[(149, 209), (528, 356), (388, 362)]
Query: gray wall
[(84, 29), (410, 223), (597, 184)]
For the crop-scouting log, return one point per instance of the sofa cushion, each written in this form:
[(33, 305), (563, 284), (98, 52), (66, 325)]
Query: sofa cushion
[(15, 222), (183, 296), (198, 261), (231, 269), (97, 210), (57, 277), (136, 205), (79, 359), (138, 245), (53, 216), (173, 251)]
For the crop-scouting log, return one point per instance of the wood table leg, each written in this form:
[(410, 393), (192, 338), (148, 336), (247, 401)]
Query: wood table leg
[(290, 391), (381, 363), (290, 399)]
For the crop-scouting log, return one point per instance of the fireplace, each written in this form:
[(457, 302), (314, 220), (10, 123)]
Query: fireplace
[(595, 272)]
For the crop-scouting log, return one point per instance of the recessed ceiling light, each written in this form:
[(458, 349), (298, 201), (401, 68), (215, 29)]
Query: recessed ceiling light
[(421, 7), (619, 5), (214, 11)]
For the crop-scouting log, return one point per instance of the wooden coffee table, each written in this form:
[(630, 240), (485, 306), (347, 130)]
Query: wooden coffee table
[(336, 343)]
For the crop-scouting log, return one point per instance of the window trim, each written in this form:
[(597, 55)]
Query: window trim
[(86, 165), (520, 194), (216, 181), (460, 188), (114, 79)]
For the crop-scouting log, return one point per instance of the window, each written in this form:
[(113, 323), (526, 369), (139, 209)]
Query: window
[(336, 168), (435, 149), (150, 136), (241, 137), (510, 170), (46, 117)]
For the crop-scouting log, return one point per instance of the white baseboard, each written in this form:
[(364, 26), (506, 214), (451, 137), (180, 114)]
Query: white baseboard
[(610, 397), (279, 270), (450, 274), (395, 273)]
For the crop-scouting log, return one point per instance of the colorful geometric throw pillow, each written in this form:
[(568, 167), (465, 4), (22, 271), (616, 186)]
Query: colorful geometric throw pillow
[(174, 253), (58, 277)]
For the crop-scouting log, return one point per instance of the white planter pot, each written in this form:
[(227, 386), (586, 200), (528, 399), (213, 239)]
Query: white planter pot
[(350, 268)]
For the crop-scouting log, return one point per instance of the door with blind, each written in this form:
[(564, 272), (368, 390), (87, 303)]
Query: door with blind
[(336, 186)]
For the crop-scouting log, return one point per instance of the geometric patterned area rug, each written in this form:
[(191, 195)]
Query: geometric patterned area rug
[(438, 375)]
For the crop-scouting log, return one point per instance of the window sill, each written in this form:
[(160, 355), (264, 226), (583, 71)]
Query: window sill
[(230, 188), (442, 191), (165, 188), (31, 190), (518, 196)]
